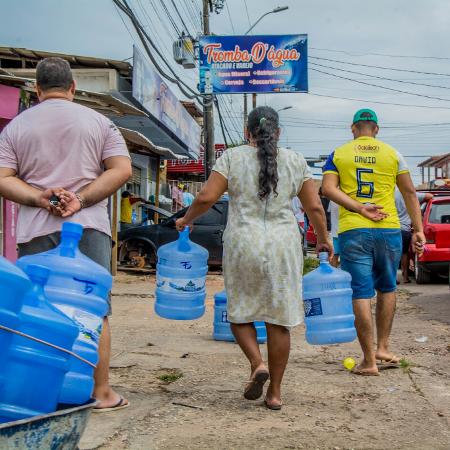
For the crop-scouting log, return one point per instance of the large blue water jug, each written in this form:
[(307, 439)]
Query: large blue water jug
[(13, 286), (181, 279), (327, 297), (222, 328), (78, 287), (34, 372)]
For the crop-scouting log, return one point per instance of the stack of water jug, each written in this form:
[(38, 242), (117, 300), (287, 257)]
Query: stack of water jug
[(51, 314)]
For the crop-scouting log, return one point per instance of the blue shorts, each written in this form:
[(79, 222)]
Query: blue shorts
[(372, 257), (336, 245)]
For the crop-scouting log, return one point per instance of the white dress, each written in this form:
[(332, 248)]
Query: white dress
[(263, 259)]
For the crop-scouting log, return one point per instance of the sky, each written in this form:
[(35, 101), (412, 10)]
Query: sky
[(410, 35)]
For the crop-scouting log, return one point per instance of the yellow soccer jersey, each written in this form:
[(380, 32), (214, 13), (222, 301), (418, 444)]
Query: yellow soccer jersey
[(367, 170)]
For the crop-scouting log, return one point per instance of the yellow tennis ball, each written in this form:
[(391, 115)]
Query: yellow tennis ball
[(349, 363)]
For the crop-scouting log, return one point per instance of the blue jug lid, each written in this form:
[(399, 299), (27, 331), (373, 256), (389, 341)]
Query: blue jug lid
[(72, 228), (323, 257)]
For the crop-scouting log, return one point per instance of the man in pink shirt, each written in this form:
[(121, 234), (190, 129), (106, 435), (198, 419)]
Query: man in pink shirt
[(65, 146)]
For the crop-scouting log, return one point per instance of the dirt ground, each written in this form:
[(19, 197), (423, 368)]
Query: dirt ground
[(325, 406)]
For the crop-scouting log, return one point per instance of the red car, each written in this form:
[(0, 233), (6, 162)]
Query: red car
[(436, 226)]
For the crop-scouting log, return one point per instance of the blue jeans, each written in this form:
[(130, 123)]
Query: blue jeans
[(372, 257)]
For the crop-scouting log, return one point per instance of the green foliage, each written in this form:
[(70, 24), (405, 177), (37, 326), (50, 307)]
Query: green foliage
[(170, 377), (310, 264)]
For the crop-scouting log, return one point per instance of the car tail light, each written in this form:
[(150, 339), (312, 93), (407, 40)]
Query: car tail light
[(430, 235)]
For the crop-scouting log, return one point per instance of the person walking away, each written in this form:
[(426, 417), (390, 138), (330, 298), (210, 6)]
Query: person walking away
[(188, 198), (61, 144), (405, 226), (263, 258), (126, 209), (333, 209), (361, 177)]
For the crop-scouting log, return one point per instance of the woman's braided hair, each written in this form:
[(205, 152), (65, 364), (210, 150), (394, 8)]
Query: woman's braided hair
[(263, 126)]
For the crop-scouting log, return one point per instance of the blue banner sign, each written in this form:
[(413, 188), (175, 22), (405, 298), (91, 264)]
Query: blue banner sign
[(247, 64), (158, 99)]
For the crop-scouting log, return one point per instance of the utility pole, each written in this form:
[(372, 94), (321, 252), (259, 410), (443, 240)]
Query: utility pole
[(245, 113), (208, 113)]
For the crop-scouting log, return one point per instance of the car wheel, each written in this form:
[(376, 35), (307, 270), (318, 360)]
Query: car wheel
[(422, 275)]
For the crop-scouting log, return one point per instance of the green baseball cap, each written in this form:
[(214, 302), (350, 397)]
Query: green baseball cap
[(365, 115)]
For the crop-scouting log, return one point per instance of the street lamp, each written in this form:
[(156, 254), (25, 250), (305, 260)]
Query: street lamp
[(274, 11), (285, 108)]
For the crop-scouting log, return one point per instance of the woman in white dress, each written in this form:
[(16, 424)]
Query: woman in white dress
[(263, 259)]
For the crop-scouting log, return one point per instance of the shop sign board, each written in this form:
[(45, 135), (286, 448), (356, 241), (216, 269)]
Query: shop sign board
[(157, 98), (253, 64)]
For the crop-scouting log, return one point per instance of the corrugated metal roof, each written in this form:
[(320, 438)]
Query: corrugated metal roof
[(432, 161), (140, 140), (104, 103), (34, 56)]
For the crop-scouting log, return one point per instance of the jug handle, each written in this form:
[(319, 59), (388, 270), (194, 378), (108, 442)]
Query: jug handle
[(183, 240)]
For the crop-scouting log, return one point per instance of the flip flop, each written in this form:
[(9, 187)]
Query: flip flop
[(254, 388), (393, 363), (364, 372), (272, 406), (119, 405)]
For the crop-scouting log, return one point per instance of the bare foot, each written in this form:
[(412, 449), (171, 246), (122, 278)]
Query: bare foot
[(366, 369), (110, 399), (273, 398)]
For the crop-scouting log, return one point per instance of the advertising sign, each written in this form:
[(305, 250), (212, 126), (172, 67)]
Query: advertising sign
[(192, 166), (249, 64), (156, 97)]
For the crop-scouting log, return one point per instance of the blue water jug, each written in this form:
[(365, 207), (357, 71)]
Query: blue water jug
[(13, 286), (222, 328), (181, 279), (79, 288), (327, 299), (34, 372)]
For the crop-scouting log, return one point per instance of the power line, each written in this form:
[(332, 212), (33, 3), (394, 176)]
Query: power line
[(229, 17), (378, 77), (381, 54), (172, 21), (248, 15), (380, 67), (381, 87), (181, 18)]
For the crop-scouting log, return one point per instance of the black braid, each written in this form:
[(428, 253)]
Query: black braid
[(263, 126)]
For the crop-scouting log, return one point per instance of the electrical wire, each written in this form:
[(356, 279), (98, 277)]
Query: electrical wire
[(172, 21), (380, 67), (378, 77), (181, 18), (381, 87), (222, 125), (229, 17), (445, 58), (248, 15)]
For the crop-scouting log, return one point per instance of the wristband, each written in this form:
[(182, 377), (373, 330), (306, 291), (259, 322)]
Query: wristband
[(80, 199)]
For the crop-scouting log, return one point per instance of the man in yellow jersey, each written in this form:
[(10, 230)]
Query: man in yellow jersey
[(361, 177), (126, 209)]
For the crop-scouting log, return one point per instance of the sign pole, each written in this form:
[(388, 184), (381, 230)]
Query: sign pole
[(208, 113)]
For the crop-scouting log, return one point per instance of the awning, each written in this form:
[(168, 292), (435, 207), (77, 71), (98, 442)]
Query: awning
[(139, 140), (105, 103), (34, 56)]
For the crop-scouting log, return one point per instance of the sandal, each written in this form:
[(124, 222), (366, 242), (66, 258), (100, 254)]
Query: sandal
[(365, 372), (271, 406), (392, 363), (119, 405), (254, 388)]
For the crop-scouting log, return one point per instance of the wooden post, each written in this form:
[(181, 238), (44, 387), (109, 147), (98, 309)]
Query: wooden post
[(114, 232), (158, 182)]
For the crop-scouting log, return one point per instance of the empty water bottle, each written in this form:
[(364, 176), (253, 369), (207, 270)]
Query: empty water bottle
[(79, 288), (181, 279), (222, 328), (34, 371), (327, 297)]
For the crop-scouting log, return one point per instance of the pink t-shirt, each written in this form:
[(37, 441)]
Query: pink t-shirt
[(59, 143)]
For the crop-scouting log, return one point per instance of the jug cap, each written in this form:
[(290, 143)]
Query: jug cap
[(37, 274), (323, 257), (73, 228)]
